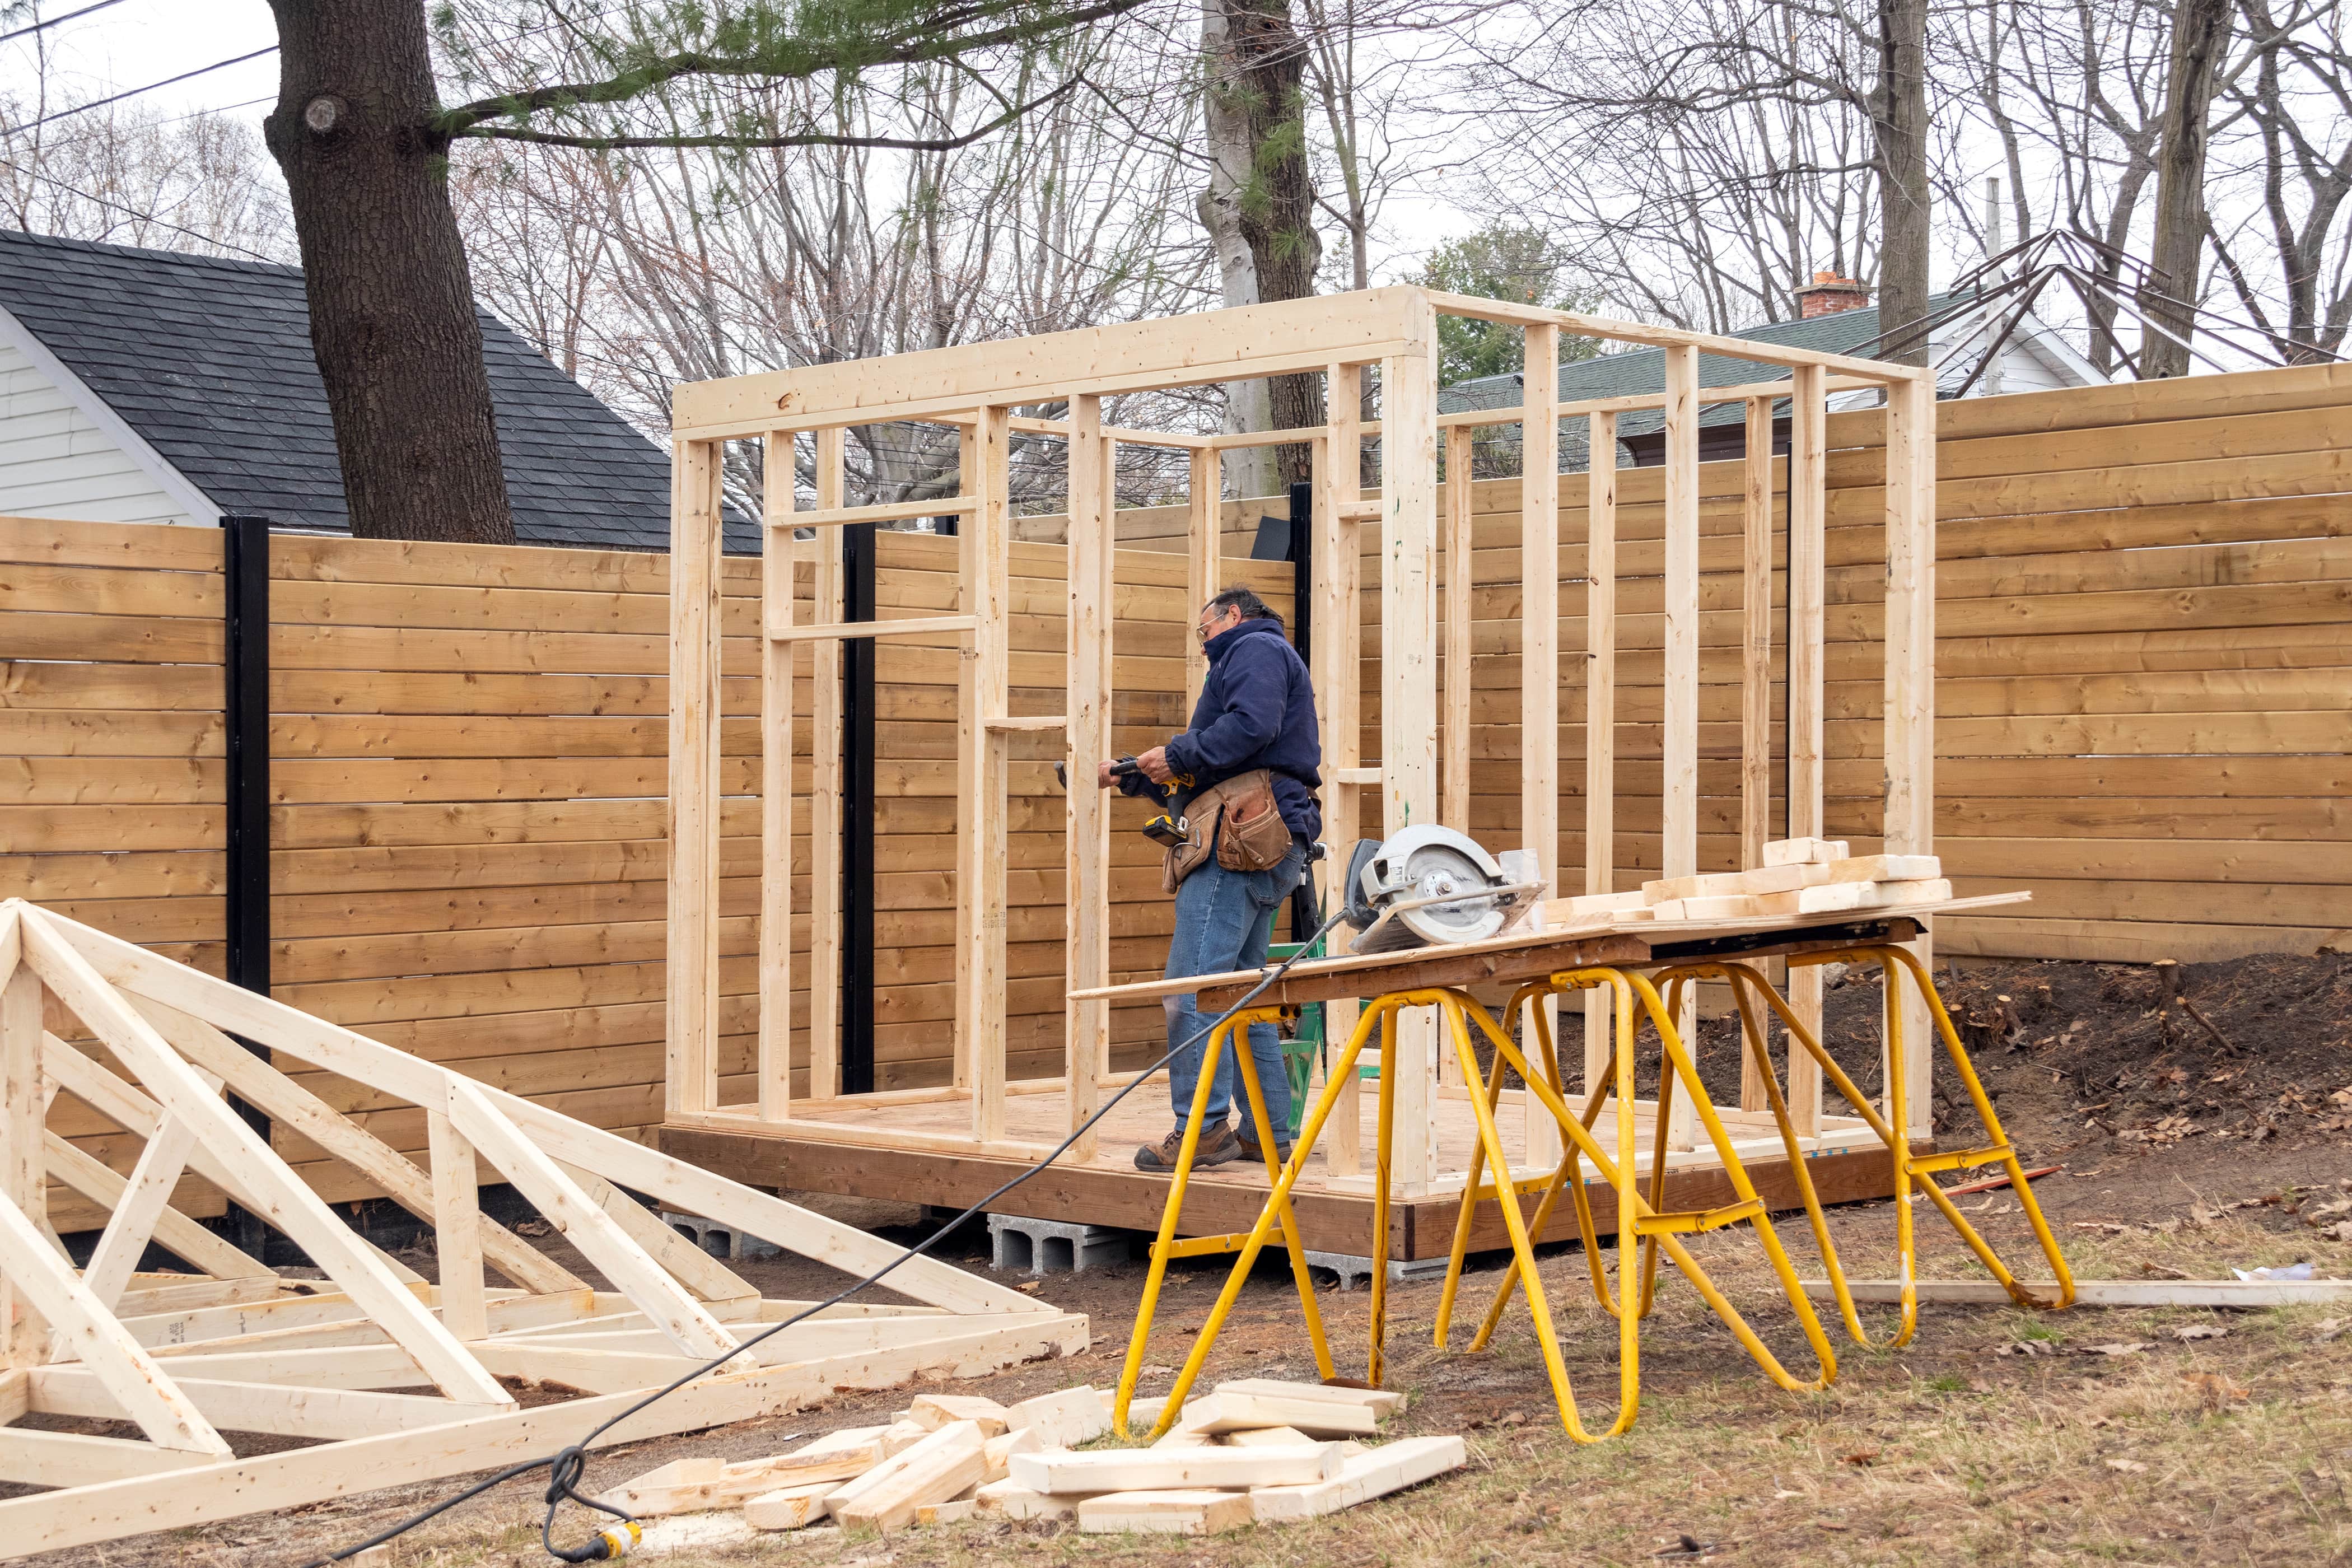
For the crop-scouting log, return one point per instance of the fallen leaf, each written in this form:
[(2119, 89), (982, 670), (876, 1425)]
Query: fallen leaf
[(2026, 1348), (2188, 1332), (1862, 1457), (1031, 1288), (2128, 1347), (2216, 1389), (533, 1227), (2129, 1466)]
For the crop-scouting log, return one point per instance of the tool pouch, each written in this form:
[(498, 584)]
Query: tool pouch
[(1255, 838), (1236, 820)]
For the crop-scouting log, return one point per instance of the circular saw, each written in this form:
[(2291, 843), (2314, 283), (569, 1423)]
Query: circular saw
[(1427, 887)]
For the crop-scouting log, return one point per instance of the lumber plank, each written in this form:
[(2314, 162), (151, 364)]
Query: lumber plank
[(1375, 1472)]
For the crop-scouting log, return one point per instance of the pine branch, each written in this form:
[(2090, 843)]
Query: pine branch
[(804, 138), (932, 33)]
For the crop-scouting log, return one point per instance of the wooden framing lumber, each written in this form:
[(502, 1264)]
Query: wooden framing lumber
[(1808, 500), (1375, 1472), (133, 1223), (773, 1065), (1153, 1469), (691, 996), (302, 1111), (1539, 670), (1085, 932), (1453, 767), (1599, 713), (22, 1162), (1188, 1511), (826, 719), (1678, 850), (282, 1199), (136, 1389), (1336, 659), (1409, 689), (1910, 695), (1388, 331), (584, 1223), (224, 1489), (337, 1370), (981, 762)]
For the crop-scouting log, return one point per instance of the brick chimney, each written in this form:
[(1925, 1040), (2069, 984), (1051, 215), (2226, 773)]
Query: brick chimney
[(1828, 294)]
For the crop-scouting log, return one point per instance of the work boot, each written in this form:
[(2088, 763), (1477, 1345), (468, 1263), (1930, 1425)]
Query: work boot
[(1218, 1146), (1254, 1153)]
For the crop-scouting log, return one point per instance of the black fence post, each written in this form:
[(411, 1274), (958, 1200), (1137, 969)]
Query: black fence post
[(857, 549), (1305, 912), (245, 571)]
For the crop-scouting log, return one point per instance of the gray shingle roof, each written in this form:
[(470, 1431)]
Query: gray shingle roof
[(209, 360), (1643, 370)]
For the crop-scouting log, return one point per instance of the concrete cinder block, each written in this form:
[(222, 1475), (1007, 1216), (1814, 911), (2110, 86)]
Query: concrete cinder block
[(1052, 1245), (717, 1239)]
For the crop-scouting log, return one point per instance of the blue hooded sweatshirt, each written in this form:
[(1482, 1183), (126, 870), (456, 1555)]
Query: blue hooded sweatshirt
[(1256, 711)]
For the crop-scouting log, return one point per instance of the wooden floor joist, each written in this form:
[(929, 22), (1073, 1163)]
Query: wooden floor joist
[(194, 1361)]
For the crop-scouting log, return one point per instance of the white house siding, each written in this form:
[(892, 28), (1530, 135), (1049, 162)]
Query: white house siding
[(54, 462)]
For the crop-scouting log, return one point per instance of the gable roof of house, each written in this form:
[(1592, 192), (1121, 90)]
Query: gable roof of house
[(208, 361), (1640, 371)]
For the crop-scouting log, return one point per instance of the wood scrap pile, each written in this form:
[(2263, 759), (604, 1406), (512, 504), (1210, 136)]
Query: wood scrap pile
[(1799, 877), (1255, 1451)]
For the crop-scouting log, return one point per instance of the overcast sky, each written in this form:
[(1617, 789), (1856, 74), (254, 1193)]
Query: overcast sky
[(137, 42)]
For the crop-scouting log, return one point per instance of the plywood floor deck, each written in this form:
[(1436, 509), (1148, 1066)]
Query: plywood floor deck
[(1847, 1162)]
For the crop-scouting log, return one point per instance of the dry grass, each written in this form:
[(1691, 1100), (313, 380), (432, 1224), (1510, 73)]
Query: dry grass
[(2223, 1450)]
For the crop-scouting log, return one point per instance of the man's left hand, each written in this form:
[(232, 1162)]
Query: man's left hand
[(1154, 763)]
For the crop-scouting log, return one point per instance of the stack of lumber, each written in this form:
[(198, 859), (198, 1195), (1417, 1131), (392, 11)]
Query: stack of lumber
[(921, 1469), (1255, 1451), (1799, 877)]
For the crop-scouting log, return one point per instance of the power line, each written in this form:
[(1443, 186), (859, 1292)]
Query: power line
[(134, 92), (133, 212), (53, 21)]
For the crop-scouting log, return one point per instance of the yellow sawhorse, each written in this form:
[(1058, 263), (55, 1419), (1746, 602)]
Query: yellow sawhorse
[(1896, 964), (1460, 1012)]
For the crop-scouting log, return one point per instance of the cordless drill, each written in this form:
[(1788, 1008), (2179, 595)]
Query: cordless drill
[(1164, 828)]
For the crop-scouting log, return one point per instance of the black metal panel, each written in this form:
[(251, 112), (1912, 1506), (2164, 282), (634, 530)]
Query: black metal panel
[(857, 655), (244, 669), (1306, 914)]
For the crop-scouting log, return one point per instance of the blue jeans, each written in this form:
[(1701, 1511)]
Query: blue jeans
[(1224, 922)]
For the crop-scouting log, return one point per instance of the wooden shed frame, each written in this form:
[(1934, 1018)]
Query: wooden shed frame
[(1393, 331)]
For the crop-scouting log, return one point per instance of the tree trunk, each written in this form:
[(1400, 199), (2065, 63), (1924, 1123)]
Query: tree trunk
[(1278, 205), (1898, 111), (2201, 32), (1250, 468), (392, 308)]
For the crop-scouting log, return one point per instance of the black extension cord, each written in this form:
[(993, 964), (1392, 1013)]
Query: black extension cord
[(566, 1467)]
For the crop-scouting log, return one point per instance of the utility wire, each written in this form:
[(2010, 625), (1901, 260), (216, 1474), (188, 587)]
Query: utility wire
[(564, 1469), (134, 212), (53, 21), (134, 92)]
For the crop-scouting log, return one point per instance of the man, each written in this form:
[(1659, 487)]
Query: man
[(1253, 734)]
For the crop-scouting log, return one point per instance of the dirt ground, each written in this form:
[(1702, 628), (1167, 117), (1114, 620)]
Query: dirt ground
[(2201, 1118)]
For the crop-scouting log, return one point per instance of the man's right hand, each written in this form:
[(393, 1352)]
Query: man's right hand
[(1104, 777)]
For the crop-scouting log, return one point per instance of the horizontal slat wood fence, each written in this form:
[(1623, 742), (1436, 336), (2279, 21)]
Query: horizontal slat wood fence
[(468, 767), (2143, 662)]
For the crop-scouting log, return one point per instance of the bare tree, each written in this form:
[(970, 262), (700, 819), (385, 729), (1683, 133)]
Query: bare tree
[(1725, 136), (129, 175), (2201, 37), (2283, 155), (709, 262)]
